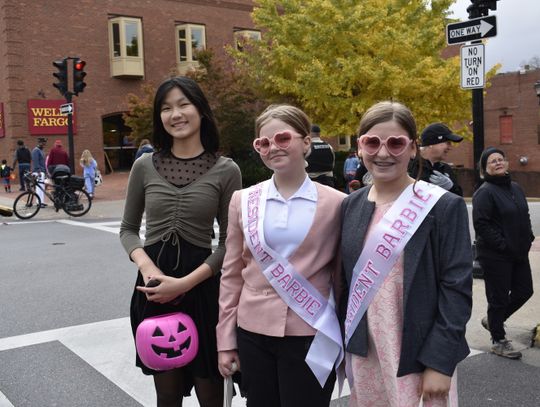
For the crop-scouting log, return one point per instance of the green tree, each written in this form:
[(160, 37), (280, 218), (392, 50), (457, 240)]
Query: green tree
[(139, 115), (235, 103), (335, 58)]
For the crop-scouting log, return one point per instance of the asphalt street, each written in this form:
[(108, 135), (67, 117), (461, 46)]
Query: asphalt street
[(65, 338)]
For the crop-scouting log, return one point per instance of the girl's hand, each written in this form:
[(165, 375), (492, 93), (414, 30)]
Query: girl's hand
[(149, 270), (434, 385), (226, 361), (168, 289)]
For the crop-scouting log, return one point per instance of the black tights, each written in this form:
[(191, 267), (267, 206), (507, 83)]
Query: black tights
[(170, 389)]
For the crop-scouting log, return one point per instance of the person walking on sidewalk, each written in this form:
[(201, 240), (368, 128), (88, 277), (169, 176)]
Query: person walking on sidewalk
[(89, 166), (57, 156), (22, 158), (38, 168), (408, 267), (503, 239), (269, 324), (5, 174), (182, 188)]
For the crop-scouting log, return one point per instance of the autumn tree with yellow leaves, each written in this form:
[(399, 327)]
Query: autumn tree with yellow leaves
[(335, 58)]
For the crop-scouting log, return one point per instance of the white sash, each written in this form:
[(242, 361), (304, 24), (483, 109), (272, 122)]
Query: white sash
[(384, 246), (326, 350)]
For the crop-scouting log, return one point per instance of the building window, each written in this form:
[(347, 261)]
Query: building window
[(243, 36), (191, 38), (505, 129), (126, 47)]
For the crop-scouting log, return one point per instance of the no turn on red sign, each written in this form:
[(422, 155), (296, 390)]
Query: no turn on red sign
[(472, 66)]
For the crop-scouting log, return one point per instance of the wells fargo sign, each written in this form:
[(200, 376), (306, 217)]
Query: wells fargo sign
[(44, 117), (2, 126)]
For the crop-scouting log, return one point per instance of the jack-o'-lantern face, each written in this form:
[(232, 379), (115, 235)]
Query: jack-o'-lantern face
[(174, 345), (167, 341)]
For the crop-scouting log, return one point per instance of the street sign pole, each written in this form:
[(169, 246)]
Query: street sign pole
[(69, 96), (478, 126)]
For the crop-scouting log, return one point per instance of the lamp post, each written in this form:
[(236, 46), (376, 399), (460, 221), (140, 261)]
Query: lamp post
[(537, 89)]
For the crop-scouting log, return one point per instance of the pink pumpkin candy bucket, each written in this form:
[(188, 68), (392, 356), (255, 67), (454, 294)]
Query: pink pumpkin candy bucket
[(165, 342)]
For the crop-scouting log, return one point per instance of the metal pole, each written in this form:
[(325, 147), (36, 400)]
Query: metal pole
[(70, 136), (478, 126)]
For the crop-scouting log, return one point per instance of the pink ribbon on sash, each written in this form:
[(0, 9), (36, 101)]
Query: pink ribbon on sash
[(326, 350), (384, 246)]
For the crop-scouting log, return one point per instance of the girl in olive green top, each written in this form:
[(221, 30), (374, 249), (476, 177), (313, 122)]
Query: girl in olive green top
[(182, 188)]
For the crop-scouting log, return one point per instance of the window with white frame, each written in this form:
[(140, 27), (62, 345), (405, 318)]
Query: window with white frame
[(243, 36), (190, 38), (126, 47)]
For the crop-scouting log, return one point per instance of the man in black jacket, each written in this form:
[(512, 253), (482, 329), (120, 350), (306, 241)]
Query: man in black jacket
[(320, 159), (437, 141), (22, 156)]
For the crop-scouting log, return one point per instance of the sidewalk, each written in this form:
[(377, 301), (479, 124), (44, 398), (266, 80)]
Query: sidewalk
[(108, 199)]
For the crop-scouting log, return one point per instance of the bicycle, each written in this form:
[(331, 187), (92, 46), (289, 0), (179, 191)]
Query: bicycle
[(67, 194)]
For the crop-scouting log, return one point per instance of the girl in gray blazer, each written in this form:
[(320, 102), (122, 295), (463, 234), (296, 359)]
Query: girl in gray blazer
[(406, 345)]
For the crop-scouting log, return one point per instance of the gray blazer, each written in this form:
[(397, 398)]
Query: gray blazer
[(437, 298)]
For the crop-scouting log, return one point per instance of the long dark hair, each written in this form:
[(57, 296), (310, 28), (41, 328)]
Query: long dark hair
[(209, 130)]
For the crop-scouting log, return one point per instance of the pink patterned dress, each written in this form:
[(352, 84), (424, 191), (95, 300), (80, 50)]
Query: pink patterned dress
[(373, 380)]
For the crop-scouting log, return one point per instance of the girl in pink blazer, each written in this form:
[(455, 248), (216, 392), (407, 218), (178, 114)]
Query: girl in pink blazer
[(280, 266)]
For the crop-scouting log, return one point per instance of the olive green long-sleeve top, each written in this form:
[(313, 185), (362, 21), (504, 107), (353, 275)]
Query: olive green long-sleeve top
[(173, 212)]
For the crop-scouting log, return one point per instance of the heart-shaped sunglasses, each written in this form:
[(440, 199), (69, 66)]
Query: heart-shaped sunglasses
[(395, 145), (281, 140)]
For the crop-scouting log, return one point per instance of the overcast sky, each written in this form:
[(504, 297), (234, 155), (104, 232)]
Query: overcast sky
[(518, 32)]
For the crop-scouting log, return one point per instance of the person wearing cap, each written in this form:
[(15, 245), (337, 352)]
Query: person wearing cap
[(437, 141), (503, 239), (23, 158), (320, 159), (38, 168), (57, 156)]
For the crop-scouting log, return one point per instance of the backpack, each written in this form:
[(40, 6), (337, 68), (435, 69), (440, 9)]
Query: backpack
[(5, 171)]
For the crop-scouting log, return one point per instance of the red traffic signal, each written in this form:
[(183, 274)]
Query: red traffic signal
[(78, 76), (79, 65)]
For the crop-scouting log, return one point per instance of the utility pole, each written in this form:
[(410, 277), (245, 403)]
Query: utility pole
[(478, 8)]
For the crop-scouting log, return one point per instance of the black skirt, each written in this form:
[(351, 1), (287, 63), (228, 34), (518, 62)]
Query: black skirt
[(201, 304)]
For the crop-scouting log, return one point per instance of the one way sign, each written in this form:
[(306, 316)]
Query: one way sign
[(471, 30)]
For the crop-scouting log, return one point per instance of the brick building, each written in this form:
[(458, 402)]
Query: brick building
[(511, 123), (125, 43)]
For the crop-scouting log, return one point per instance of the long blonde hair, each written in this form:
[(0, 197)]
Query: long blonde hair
[(86, 158)]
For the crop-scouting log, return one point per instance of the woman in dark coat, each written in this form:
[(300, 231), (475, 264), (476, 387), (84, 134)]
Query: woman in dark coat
[(504, 236)]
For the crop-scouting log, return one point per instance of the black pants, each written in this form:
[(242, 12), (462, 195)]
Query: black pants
[(508, 287), (275, 374)]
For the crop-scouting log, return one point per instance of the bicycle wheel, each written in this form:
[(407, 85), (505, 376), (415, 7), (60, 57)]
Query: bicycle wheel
[(78, 204), (26, 205)]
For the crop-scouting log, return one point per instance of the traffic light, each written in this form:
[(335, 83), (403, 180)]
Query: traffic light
[(61, 75), (480, 8), (78, 76)]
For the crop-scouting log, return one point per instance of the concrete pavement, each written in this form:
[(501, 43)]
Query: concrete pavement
[(516, 376)]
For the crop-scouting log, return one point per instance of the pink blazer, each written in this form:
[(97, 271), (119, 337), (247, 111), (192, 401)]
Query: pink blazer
[(247, 299)]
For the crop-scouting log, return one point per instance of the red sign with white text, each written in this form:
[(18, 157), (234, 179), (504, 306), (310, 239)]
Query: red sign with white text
[(44, 117), (2, 120)]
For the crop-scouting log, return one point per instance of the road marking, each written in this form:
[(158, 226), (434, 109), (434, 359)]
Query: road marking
[(4, 402), (108, 347)]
